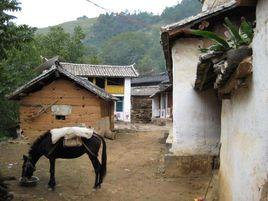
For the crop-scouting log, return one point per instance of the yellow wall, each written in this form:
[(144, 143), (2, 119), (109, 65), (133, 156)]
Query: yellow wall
[(114, 89)]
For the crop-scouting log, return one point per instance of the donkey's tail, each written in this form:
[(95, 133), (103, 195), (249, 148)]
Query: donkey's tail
[(103, 158)]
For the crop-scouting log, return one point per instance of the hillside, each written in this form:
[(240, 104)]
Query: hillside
[(125, 38), (84, 22)]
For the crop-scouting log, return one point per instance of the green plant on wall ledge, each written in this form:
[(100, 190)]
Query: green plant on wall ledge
[(237, 36)]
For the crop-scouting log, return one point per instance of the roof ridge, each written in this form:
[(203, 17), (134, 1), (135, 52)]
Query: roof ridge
[(136, 72), (100, 65), (100, 70)]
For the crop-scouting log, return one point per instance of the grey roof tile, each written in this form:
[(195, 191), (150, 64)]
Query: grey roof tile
[(91, 70), (148, 79), (47, 73), (144, 90)]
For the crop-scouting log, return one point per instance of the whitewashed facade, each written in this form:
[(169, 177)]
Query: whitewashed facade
[(196, 124), (162, 105), (160, 108), (197, 113), (244, 139), (125, 100)]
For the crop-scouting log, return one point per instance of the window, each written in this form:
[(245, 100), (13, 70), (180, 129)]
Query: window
[(91, 79), (115, 81), (119, 104), (60, 117), (163, 100), (100, 82)]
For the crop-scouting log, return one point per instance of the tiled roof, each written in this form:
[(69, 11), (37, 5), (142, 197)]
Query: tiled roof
[(144, 90), (200, 16), (47, 64), (162, 88), (150, 79), (90, 70), (52, 73), (172, 31)]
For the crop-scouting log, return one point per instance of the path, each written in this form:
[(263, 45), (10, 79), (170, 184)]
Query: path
[(134, 173)]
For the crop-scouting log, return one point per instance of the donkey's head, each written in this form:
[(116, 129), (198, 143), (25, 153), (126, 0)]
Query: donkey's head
[(28, 167)]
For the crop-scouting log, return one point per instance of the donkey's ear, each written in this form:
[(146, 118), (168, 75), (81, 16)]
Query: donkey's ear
[(25, 157)]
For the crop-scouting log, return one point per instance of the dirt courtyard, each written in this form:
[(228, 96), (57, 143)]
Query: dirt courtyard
[(135, 172)]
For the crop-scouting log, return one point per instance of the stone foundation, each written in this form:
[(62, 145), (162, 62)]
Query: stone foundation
[(161, 121), (179, 166)]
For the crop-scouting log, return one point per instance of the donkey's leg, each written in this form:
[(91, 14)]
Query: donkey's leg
[(52, 182), (97, 167)]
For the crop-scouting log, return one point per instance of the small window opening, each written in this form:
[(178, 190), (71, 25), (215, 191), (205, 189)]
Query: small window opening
[(60, 117), (115, 81), (100, 82), (91, 79)]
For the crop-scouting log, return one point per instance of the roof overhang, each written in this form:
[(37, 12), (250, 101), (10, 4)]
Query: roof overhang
[(163, 88), (53, 73), (172, 32)]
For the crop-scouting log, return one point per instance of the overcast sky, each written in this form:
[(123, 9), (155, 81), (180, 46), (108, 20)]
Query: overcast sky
[(43, 13)]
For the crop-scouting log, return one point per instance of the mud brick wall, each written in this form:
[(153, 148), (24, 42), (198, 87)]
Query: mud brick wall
[(141, 111), (86, 109)]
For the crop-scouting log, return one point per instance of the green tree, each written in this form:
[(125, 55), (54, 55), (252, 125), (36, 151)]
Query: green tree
[(125, 48), (58, 42), (14, 53), (142, 48), (16, 69), (145, 64), (110, 25), (10, 34), (76, 47), (180, 11)]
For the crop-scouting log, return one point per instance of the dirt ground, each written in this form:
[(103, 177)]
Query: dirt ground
[(135, 172)]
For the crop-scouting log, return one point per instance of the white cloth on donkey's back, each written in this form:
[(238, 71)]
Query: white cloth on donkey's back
[(70, 132)]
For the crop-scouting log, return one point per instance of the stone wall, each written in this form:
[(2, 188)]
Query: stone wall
[(141, 111), (244, 139)]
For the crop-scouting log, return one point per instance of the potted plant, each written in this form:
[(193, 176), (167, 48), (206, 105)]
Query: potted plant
[(236, 38)]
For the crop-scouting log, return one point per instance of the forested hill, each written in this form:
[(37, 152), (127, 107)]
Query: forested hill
[(123, 38)]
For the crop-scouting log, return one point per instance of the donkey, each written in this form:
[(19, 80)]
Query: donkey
[(43, 146)]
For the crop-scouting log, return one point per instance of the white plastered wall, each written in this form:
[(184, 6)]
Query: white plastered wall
[(155, 107), (196, 116), (127, 100), (244, 136)]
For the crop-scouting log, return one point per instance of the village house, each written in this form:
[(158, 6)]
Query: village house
[(162, 103), (57, 98), (142, 88), (115, 80), (220, 100)]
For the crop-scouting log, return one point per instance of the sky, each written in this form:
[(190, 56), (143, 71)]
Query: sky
[(43, 13)]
